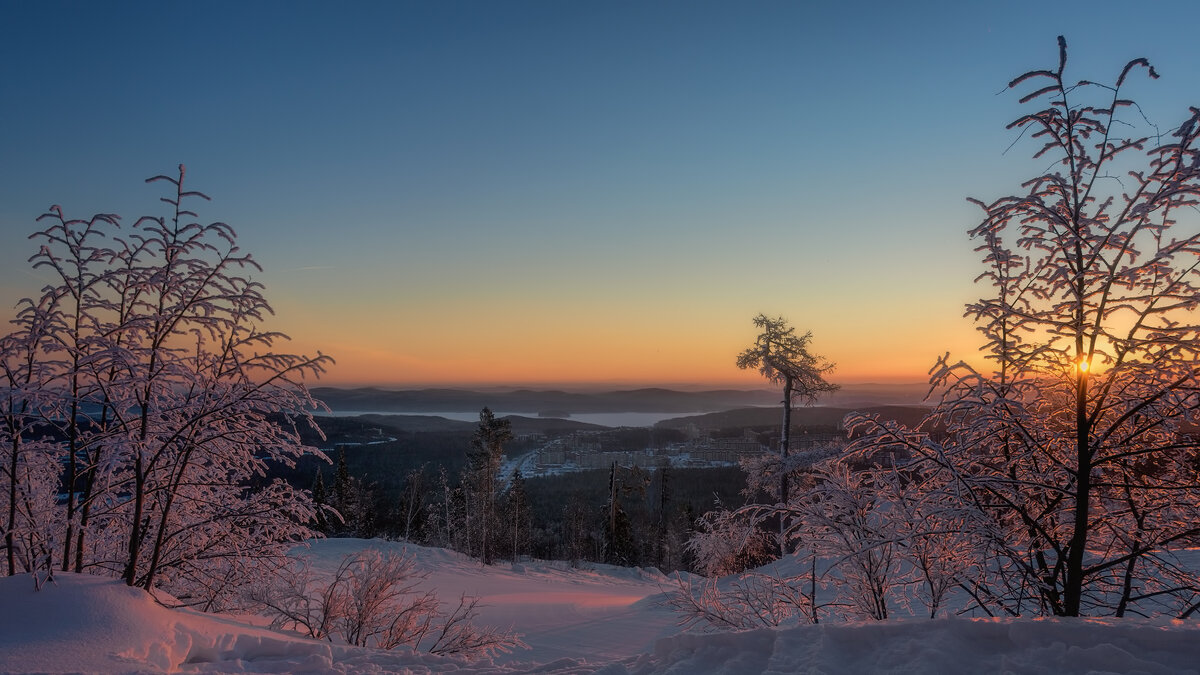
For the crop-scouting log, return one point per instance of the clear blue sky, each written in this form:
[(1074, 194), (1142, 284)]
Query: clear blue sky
[(536, 192)]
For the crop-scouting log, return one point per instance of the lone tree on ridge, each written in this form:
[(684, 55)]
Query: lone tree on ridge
[(783, 358)]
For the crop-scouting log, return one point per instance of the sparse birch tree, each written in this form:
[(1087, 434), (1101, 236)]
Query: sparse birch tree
[(26, 460), (1078, 450), (142, 371)]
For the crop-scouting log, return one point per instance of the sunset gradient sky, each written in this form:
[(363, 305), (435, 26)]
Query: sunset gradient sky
[(533, 193)]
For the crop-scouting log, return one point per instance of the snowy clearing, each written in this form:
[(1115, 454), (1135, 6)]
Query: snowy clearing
[(597, 620)]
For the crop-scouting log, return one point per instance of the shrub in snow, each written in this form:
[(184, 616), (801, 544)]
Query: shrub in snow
[(854, 558), (743, 602), (373, 600), (725, 543)]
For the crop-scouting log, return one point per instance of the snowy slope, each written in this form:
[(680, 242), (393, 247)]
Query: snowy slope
[(597, 614), (602, 619), (88, 624), (923, 647)]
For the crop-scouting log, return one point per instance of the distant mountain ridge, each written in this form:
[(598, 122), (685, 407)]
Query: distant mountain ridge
[(648, 399), (520, 425), (651, 399), (815, 416)]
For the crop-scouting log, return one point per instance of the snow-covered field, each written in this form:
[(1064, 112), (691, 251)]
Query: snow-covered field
[(596, 620)]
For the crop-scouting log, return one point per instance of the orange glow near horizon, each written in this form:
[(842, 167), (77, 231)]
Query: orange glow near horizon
[(572, 214), (632, 337), (430, 346), (449, 354)]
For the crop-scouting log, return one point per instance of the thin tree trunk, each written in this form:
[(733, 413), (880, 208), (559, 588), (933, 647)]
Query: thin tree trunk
[(812, 590), (612, 510), (1073, 581), (135, 525), (10, 543), (164, 518), (89, 490), (784, 442), (72, 477), (139, 492)]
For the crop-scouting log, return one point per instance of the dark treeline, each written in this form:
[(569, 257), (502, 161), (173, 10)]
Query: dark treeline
[(575, 519), (421, 486)]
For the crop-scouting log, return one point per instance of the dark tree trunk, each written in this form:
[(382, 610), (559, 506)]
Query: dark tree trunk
[(785, 439), (1073, 579)]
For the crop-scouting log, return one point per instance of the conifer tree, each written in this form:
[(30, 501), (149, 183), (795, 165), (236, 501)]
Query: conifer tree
[(343, 491), (319, 497), (484, 459), (518, 515), (783, 358)]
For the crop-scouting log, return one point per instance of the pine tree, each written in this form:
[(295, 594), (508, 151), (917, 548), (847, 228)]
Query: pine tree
[(576, 529), (484, 459), (343, 492), (663, 558), (620, 545), (783, 358), (518, 515), (319, 497)]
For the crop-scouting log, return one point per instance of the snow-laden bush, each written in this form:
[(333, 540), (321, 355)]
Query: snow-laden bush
[(374, 600)]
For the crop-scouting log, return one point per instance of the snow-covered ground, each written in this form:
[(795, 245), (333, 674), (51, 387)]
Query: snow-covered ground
[(596, 620), (596, 614)]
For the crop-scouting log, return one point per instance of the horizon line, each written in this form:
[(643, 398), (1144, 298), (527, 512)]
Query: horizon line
[(593, 386)]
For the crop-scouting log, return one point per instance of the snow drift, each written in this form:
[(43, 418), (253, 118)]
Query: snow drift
[(600, 620), (86, 623)]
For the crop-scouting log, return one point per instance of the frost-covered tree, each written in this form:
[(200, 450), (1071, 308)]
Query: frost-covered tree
[(864, 546), (1075, 453), (28, 471), (76, 254), (412, 509), (730, 542), (143, 372), (843, 515), (840, 561), (783, 358)]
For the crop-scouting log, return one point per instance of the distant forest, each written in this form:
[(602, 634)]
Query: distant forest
[(400, 489), (406, 477)]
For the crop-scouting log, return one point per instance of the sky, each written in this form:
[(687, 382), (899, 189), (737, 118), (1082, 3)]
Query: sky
[(565, 193)]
